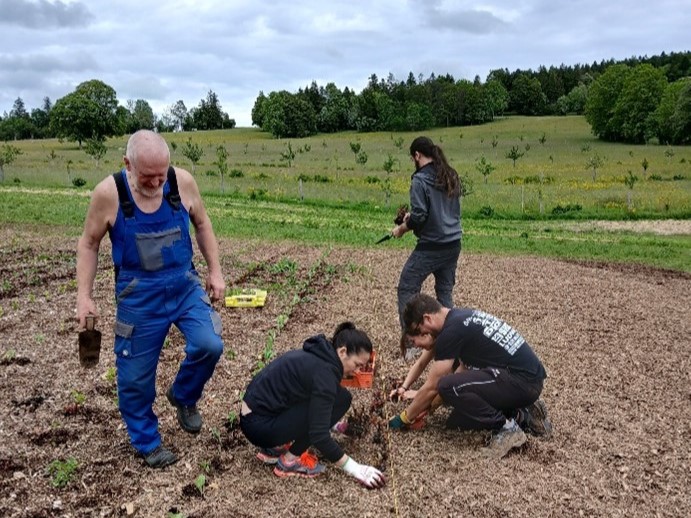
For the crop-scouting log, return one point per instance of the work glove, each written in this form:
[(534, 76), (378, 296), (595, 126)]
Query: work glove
[(368, 476), (400, 421)]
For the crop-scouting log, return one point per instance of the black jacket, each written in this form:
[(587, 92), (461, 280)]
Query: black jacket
[(312, 375)]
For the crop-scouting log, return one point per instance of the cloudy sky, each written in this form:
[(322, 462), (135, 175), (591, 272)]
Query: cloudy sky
[(163, 51)]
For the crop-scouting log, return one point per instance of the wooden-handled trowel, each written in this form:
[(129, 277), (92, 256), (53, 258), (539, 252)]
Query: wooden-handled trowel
[(89, 344)]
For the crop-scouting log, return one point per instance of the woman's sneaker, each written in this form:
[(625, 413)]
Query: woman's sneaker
[(306, 465), (340, 427), (271, 455)]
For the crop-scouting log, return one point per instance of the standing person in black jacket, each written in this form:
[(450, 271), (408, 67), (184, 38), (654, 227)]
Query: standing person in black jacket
[(434, 218), (296, 400)]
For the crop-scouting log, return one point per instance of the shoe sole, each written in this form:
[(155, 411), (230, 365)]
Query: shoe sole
[(163, 464), (266, 459), (172, 401), (544, 426), (285, 474), (516, 440)]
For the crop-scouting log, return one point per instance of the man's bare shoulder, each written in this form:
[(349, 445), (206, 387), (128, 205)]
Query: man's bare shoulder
[(105, 188), (184, 178), (104, 202)]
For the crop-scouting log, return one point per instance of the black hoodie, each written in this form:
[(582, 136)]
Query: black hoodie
[(312, 374)]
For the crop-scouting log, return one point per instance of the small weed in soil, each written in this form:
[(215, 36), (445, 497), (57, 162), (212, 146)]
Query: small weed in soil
[(61, 472)]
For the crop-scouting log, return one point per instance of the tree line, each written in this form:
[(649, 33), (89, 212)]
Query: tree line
[(92, 112), (440, 101), (630, 101)]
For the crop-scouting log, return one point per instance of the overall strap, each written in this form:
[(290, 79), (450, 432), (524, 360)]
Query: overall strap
[(126, 203), (173, 196)]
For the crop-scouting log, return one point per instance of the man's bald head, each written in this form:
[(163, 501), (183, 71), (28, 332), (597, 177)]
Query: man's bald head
[(149, 146)]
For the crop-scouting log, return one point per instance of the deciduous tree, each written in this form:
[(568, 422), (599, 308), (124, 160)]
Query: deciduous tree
[(88, 112), (636, 104), (673, 115)]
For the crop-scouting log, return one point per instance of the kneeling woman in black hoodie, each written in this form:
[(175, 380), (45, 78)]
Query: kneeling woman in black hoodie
[(296, 399)]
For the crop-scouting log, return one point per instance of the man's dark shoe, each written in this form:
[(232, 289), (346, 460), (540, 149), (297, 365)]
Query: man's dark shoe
[(160, 458), (534, 419), (188, 416)]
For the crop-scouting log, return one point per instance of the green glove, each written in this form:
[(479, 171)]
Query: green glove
[(396, 423), (399, 422)]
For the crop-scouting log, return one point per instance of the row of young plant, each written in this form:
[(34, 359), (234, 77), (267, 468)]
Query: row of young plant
[(300, 290)]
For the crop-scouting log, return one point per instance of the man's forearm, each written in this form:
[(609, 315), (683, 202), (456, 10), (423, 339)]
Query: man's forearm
[(422, 401), (208, 246), (87, 264)]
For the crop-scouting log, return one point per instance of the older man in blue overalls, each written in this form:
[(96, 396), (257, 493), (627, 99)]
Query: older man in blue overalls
[(146, 209)]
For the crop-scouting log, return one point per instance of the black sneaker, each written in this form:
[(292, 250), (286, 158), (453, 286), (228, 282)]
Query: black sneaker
[(188, 416), (160, 458), (534, 420)]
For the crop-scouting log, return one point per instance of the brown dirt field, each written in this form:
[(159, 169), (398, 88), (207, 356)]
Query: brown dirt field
[(615, 340)]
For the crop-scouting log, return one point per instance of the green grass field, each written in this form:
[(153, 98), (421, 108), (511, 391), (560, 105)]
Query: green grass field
[(341, 201)]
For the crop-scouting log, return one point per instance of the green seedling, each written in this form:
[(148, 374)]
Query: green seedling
[(230, 354), (61, 472), (205, 465), (9, 355), (232, 417), (216, 434), (78, 397), (110, 374), (200, 483)]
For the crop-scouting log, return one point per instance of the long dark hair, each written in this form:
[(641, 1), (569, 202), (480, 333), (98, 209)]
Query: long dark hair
[(447, 177), (354, 340)]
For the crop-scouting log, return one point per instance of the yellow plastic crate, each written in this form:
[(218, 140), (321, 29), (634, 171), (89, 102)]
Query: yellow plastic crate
[(245, 298)]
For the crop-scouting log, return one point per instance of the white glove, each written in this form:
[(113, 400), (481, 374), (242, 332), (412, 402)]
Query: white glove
[(367, 475)]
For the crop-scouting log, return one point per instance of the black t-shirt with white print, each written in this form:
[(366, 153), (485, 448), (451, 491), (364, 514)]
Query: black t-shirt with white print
[(479, 340)]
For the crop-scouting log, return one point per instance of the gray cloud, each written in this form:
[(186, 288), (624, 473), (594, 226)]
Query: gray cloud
[(41, 14), (165, 51), (474, 21)]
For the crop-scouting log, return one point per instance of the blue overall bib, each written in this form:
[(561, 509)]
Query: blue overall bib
[(157, 286)]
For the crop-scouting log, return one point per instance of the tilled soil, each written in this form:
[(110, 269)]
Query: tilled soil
[(615, 340)]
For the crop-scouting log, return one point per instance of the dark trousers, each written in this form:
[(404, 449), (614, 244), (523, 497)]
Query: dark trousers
[(291, 425), (483, 399), (420, 265)]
